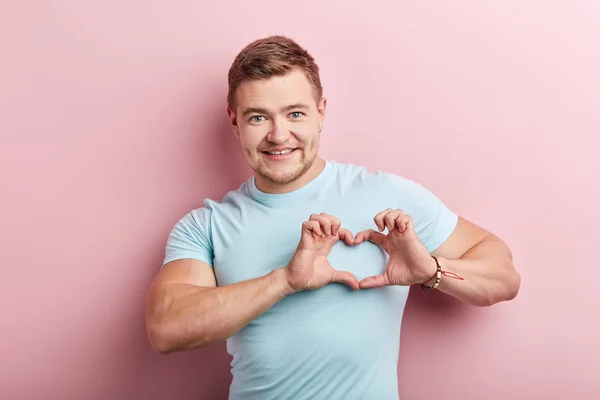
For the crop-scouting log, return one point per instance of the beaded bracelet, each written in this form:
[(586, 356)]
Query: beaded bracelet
[(438, 276)]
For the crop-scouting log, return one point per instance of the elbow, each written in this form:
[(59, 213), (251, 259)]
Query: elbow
[(162, 335), (165, 338), (161, 347), (513, 285), (508, 289), (159, 338)]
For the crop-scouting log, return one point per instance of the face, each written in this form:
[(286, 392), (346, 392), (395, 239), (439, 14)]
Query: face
[(278, 122)]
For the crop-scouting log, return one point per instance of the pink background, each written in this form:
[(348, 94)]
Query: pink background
[(113, 126)]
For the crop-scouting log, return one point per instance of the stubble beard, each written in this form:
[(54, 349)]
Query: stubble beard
[(303, 166)]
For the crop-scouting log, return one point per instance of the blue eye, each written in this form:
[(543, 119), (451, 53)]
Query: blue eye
[(296, 114), (256, 118)]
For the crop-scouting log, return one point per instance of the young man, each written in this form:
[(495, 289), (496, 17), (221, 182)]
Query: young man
[(287, 268)]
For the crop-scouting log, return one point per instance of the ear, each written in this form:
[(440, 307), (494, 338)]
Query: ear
[(233, 120), (322, 111)]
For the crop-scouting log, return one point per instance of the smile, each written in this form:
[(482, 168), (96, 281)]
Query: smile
[(279, 153)]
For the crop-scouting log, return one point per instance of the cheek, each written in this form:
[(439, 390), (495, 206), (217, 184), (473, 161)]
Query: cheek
[(252, 137), (305, 131)]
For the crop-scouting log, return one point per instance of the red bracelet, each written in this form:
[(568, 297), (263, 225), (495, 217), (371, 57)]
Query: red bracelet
[(438, 276)]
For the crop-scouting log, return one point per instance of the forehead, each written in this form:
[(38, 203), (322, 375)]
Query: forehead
[(274, 92)]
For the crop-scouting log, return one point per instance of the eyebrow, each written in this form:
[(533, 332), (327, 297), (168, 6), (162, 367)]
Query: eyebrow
[(260, 110)]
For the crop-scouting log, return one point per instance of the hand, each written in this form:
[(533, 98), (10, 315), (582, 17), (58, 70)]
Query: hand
[(409, 260), (309, 268)]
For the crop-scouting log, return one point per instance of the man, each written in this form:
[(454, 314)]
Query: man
[(305, 269)]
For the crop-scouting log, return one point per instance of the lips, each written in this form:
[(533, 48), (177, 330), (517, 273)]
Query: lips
[(281, 152)]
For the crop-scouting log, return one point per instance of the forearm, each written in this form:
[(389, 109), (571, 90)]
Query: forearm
[(189, 316), (487, 271)]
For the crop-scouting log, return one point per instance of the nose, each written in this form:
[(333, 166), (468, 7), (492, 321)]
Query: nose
[(279, 133)]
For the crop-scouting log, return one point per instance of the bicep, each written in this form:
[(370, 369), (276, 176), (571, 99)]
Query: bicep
[(187, 265), (444, 233), (465, 236), (175, 281), (189, 271), (177, 278)]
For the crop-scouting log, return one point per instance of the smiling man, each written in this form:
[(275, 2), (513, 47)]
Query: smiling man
[(305, 268)]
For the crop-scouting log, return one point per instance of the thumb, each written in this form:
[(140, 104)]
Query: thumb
[(373, 281), (345, 277)]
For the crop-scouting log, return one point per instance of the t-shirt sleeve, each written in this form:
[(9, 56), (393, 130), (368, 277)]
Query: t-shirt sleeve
[(433, 220), (190, 238)]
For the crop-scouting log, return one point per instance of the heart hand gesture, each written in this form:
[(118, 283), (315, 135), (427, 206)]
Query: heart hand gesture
[(409, 260), (309, 268)]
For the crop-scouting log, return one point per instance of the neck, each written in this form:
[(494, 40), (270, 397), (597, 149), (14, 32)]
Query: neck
[(269, 187)]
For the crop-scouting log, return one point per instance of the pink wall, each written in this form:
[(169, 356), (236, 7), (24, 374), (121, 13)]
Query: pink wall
[(113, 125)]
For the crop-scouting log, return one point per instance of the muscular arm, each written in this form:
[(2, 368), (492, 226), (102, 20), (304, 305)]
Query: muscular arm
[(185, 309), (485, 263)]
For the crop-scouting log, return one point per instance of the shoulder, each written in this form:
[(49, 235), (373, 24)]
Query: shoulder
[(434, 221), (231, 202), (200, 217), (192, 234), (405, 191), (357, 175), (376, 179)]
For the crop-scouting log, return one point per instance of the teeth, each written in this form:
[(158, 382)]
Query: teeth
[(278, 153)]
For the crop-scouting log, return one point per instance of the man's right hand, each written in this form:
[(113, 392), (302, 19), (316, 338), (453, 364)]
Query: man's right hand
[(309, 268), (186, 309)]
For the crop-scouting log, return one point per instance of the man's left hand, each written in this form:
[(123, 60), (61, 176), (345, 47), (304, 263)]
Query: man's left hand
[(409, 260)]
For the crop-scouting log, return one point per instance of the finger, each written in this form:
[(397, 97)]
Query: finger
[(373, 282), (360, 237), (346, 236), (379, 219), (335, 223), (324, 221), (402, 222), (390, 219), (369, 235), (375, 237), (312, 227), (345, 277)]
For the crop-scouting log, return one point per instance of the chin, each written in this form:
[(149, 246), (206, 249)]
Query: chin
[(284, 174)]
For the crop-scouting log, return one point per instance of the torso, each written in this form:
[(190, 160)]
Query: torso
[(331, 343)]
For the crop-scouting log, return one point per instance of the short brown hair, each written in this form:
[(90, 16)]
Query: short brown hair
[(268, 57)]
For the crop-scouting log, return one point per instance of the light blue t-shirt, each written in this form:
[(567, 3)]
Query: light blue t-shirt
[(332, 343)]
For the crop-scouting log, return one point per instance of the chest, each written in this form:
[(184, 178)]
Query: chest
[(255, 243)]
